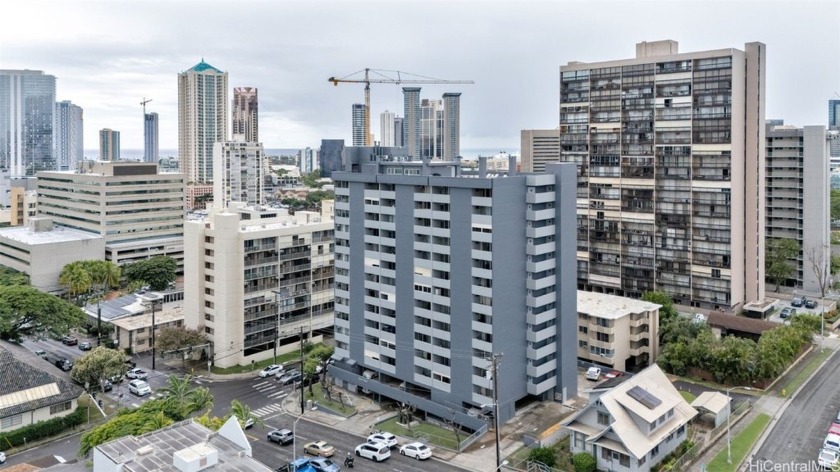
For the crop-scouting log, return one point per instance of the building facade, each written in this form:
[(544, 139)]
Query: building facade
[(411, 120), (239, 173), (139, 211), (109, 145), (23, 204), (538, 147), (431, 129), (151, 137), (436, 273), (670, 156), (69, 135), (451, 126), (307, 159), (27, 116), (202, 119), (617, 332), (386, 126), (258, 279), (358, 123), (834, 125), (798, 193), (329, 156), (246, 123), (399, 140)]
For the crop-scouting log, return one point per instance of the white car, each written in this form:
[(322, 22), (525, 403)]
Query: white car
[(387, 439), (416, 450), (594, 373), (137, 373), (2, 457), (828, 459), (376, 452), (139, 388), (273, 369)]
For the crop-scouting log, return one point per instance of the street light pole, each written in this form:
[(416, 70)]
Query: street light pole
[(153, 335), (294, 433), (729, 423), (496, 359)]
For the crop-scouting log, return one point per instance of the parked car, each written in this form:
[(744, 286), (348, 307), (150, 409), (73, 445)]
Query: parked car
[(319, 448), (832, 441), (137, 373), (828, 459), (118, 378), (130, 364), (385, 438), (416, 450), (2, 457), (249, 423), (41, 353), (594, 373), (289, 377), (376, 452), (810, 304), (281, 436), (64, 364), (69, 340), (837, 418), (139, 387), (107, 386), (273, 369), (301, 464), (322, 464), (85, 346), (788, 312), (796, 301)]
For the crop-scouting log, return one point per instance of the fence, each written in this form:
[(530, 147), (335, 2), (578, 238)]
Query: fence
[(683, 461), (472, 438)]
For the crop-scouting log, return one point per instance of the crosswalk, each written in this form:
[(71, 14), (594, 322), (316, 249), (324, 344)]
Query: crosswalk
[(268, 410)]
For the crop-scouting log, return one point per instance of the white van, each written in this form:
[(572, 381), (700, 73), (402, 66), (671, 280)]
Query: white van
[(832, 441)]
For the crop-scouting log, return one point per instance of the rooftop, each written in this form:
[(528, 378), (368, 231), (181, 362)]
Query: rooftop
[(740, 323), (127, 305), (58, 234), (167, 315), (203, 66), (27, 388), (611, 306)]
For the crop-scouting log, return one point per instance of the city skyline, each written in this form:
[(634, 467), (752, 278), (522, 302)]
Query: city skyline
[(512, 52)]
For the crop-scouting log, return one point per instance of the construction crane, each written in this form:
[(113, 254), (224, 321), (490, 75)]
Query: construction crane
[(384, 79), (144, 102)]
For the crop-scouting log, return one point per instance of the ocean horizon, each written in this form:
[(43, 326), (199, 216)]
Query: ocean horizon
[(137, 154)]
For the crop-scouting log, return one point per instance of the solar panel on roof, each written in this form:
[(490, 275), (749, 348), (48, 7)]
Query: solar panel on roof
[(644, 397)]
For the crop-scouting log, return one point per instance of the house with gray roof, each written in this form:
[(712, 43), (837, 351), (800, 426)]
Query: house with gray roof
[(181, 447), (29, 395), (633, 426)]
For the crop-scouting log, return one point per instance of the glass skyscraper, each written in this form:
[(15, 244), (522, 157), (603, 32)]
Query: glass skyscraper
[(202, 119), (151, 144), (68, 135), (27, 111)]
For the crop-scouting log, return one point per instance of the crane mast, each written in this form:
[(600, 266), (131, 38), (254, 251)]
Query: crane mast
[(387, 80)]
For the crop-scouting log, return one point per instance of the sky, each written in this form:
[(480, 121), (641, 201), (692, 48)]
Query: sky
[(109, 54)]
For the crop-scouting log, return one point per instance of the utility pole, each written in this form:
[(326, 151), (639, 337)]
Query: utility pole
[(302, 409), (497, 358)]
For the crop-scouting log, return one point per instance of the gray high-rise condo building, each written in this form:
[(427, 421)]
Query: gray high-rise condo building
[(834, 124), (670, 156), (329, 156), (359, 124), (202, 119), (109, 145), (69, 135), (246, 124), (27, 110), (411, 120), (151, 141), (451, 126), (538, 147), (436, 272)]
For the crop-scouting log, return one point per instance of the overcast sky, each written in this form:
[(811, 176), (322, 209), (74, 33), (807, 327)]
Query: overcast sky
[(108, 55)]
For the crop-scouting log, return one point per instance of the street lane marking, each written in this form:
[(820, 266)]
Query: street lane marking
[(279, 394), (260, 384), (268, 409)]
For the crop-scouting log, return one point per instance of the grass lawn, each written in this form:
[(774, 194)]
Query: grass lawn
[(241, 369), (318, 396), (434, 435), (688, 396), (807, 370), (741, 445)]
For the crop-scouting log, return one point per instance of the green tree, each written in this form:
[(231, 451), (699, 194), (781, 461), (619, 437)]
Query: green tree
[(127, 423), (75, 279), (835, 265), (27, 312), (777, 255), (667, 313), (584, 462), (97, 365), (543, 455), (242, 412), (311, 179), (10, 276), (158, 272), (835, 204), (179, 337), (210, 422), (104, 274)]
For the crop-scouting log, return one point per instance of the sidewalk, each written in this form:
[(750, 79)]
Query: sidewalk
[(369, 414)]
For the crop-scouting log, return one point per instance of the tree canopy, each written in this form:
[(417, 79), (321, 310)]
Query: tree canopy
[(10, 276), (82, 276), (99, 364), (178, 337), (26, 312), (777, 255), (158, 272)]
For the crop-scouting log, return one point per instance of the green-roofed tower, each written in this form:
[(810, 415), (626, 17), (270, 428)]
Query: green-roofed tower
[(202, 119)]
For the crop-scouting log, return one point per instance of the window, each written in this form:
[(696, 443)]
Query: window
[(583, 344), (654, 452), (10, 421), (603, 418), (60, 407)]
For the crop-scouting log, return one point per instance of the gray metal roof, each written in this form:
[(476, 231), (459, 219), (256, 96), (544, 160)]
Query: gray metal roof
[(25, 388), (127, 305), (165, 442)]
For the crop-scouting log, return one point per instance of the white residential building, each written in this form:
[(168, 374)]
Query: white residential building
[(69, 135), (254, 279), (202, 119), (386, 121), (239, 173)]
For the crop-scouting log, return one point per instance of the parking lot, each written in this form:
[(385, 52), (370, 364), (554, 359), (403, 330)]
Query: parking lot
[(780, 306)]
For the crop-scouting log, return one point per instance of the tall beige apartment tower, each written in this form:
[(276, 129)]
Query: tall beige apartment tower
[(538, 147), (671, 161), (245, 115), (202, 119)]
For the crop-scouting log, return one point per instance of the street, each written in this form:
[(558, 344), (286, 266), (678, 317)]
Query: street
[(798, 435)]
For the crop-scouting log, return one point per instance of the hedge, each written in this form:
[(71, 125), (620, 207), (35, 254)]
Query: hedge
[(42, 429)]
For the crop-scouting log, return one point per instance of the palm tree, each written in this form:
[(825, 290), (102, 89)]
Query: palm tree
[(75, 279), (201, 400), (178, 393), (242, 412)]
